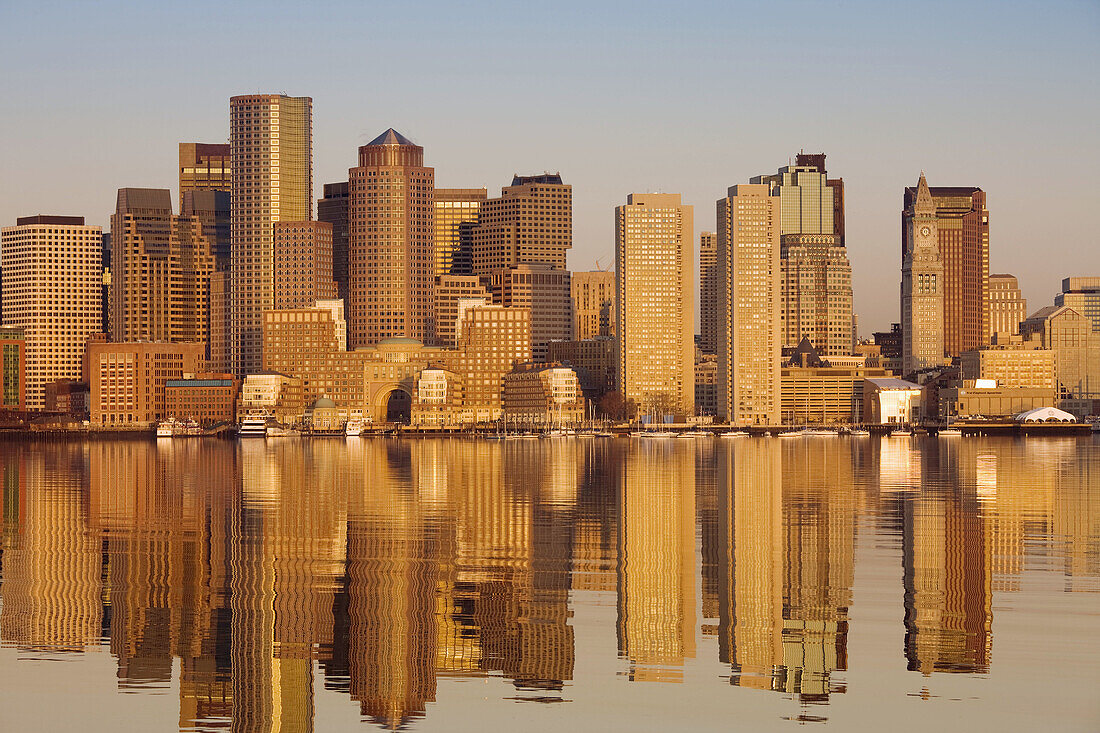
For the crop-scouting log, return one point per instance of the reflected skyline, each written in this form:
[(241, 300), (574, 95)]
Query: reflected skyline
[(249, 576)]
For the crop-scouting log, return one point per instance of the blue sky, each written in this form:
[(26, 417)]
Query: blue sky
[(619, 97)]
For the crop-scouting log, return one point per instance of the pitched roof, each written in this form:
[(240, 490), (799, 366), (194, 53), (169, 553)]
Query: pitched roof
[(391, 137)]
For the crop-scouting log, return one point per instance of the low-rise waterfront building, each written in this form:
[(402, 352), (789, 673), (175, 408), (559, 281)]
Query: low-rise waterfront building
[(126, 381), (824, 390), (439, 400), (984, 398), (592, 359), (543, 395), (379, 381), (68, 397), (1010, 366), (891, 401), (271, 393), (207, 398)]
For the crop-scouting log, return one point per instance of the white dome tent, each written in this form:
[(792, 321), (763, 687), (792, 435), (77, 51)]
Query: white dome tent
[(1045, 414)]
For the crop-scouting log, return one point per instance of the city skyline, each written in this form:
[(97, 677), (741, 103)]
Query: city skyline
[(1032, 109)]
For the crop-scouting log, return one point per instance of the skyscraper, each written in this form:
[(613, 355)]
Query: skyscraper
[(543, 290), (816, 275), (456, 215), (1007, 306), (749, 305), (1082, 294), (531, 221), (333, 209), (655, 320), (161, 270), (391, 267), (303, 263), (708, 291), (962, 227), (922, 284), (454, 294), (205, 167), (593, 304), (270, 139), (51, 290)]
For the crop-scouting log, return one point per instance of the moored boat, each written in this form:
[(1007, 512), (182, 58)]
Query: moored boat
[(253, 426)]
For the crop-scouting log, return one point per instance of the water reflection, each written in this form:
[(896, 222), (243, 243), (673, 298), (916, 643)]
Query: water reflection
[(249, 576)]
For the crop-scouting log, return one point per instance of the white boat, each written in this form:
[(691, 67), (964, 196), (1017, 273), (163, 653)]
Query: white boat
[(820, 432), (696, 434), (658, 434), (901, 433), (733, 434), (859, 431), (793, 433), (353, 428), (166, 428), (253, 426), (605, 434), (948, 432)]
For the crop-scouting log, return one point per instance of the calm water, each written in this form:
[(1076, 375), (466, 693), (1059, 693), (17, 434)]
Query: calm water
[(751, 584)]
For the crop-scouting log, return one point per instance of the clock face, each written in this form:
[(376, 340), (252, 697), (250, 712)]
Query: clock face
[(925, 231)]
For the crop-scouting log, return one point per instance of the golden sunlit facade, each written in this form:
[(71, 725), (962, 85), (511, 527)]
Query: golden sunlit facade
[(749, 317), (271, 149), (456, 214), (52, 274), (655, 316), (391, 261)]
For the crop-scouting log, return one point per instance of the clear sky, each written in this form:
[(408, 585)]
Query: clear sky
[(620, 97)]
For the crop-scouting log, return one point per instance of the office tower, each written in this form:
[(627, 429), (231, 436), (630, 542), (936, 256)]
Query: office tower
[(749, 299), (51, 284), (303, 263), (1076, 347), (962, 227), (391, 268), (922, 285), (270, 139), (593, 296), (1007, 305), (456, 215), (205, 167), (708, 292), (544, 291), (333, 209), (220, 331), (815, 272), (453, 295), (1082, 294), (162, 266), (212, 209), (655, 327), (531, 221)]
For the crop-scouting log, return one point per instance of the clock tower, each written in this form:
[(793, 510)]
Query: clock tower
[(922, 287)]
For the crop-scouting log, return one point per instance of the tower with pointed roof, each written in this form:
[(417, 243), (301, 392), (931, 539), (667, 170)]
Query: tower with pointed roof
[(922, 286), (391, 253)]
